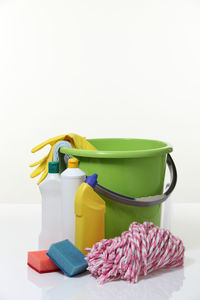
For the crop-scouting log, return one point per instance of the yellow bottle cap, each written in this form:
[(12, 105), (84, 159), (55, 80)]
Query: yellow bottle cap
[(73, 163)]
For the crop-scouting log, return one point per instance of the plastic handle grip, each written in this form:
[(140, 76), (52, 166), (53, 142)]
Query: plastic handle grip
[(143, 201)]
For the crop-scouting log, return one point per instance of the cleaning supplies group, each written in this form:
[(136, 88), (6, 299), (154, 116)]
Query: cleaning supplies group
[(73, 225)]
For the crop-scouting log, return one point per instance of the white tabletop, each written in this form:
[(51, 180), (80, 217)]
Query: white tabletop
[(19, 230)]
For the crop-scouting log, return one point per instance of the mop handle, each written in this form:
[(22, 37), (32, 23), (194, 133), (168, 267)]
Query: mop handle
[(143, 201)]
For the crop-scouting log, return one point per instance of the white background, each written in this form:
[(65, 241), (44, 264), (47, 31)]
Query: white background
[(100, 69)]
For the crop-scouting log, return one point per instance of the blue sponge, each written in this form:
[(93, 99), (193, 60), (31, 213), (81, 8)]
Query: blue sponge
[(67, 257)]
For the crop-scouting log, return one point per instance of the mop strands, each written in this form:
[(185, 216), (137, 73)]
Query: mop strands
[(140, 250)]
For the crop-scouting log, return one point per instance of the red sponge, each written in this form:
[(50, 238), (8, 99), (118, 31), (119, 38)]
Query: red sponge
[(40, 262)]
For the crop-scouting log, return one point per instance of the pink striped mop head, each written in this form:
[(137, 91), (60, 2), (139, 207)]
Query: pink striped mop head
[(139, 251)]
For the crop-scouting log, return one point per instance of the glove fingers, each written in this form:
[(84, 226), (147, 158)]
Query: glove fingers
[(39, 162), (50, 158), (44, 175), (38, 170), (50, 155), (50, 141), (43, 166)]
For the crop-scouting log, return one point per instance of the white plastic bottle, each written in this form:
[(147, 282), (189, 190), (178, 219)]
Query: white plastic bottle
[(71, 179), (51, 208)]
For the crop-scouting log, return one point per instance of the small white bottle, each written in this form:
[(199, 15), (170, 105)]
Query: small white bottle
[(71, 179), (51, 208)]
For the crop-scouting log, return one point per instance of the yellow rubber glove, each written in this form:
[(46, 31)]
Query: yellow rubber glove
[(51, 142), (77, 142)]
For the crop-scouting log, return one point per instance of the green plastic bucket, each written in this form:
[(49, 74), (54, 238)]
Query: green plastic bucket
[(131, 167)]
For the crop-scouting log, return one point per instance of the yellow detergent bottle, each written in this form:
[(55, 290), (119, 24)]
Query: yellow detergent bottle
[(89, 210)]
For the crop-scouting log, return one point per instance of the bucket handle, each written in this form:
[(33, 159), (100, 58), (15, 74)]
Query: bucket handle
[(143, 201)]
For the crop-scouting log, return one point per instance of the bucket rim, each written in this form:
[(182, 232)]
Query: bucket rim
[(167, 148)]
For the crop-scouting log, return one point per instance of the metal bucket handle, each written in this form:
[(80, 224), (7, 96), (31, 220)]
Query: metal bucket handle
[(143, 201)]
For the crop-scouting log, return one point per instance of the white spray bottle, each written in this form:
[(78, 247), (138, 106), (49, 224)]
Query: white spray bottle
[(51, 208), (71, 179)]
